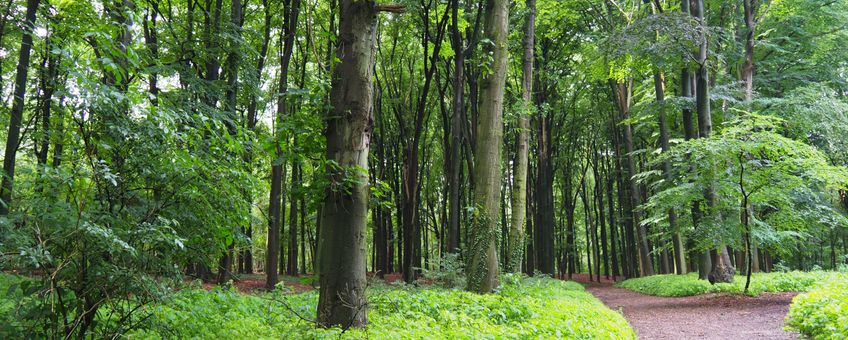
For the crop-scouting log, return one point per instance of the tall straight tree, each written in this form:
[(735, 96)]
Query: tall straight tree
[(291, 9), (676, 237), (411, 136), (624, 92), (722, 268), (342, 255), (482, 253), (519, 187), (687, 89), (16, 115), (750, 9), (457, 118)]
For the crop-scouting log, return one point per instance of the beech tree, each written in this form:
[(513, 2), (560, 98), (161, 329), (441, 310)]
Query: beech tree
[(342, 299), (16, 115), (482, 252)]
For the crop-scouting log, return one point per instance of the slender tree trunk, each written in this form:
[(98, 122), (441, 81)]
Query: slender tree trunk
[(612, 224), (645, 264), (48, 86), (677, 238), (544, 196), (599, 206), (291, 265), (16, 115), (456, 132), (722, 268), (750, 9), (519, 188), (687, 89), (483, 257), (291, 10)]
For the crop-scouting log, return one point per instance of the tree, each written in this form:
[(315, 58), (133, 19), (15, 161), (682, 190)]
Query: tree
[(519, 188), (16, 116), (291, 9), (342, 298), (722, 267), (772, 177), (482, 252)]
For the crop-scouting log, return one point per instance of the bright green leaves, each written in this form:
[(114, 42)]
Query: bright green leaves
[(749, 159), (522, 308), (821, 313)]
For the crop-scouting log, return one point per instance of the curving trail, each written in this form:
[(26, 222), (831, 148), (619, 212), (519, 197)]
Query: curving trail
[(711, 316)]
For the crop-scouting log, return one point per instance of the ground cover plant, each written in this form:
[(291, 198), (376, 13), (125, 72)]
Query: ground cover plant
[(690, 285), (821, 313), (521, 308)]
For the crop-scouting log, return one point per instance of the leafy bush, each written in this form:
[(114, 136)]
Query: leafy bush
[(522, 308), (451, 274), (821, 313), (689, 285)]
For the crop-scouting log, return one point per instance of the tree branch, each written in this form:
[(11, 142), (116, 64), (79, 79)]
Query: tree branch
[(391, 8)]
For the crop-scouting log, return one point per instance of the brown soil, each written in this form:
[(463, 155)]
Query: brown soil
[(255, 283), (710, 316)]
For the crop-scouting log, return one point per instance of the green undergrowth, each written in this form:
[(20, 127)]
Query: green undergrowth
[(521, 308), (689, 285), (9, 297), (821, 313)]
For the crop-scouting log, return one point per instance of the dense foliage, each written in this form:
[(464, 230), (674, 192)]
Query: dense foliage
[(820, 314), (689, 285)]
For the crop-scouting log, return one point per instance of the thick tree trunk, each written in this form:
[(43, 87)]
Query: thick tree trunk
[(722, 268), (515, 251), (16, 115), (342, 300), (482, 266)]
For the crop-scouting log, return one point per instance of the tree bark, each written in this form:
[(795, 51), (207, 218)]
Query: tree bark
[(291, 9), (456, 132), (291, 265), (722, 267), (48, 87), (677, 238), (622, 91), (515, 252), (482, 266), (342, 300), (16, 115), (750, 9)]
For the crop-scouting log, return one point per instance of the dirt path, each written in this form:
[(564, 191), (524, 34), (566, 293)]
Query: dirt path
[(711, 316)]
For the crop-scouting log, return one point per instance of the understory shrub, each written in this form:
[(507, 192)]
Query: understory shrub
[(821, 313), (689, 285), (521, 308)]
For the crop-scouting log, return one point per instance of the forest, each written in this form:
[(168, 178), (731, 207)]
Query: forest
[(424, 169)]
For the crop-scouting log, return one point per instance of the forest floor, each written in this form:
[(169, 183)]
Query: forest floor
[(709, 316)]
